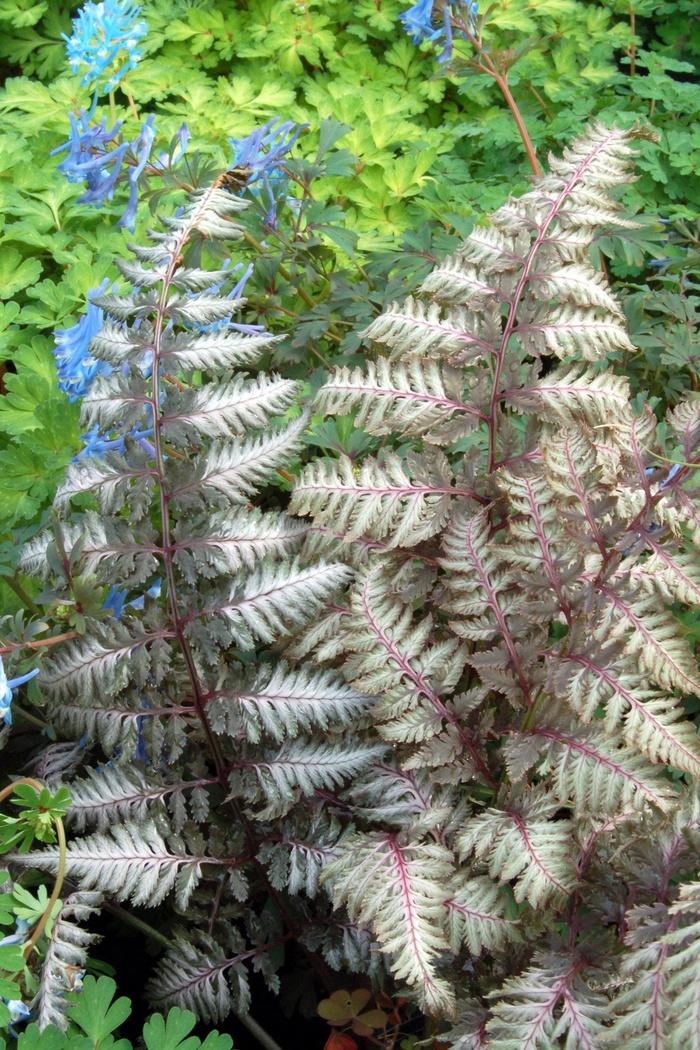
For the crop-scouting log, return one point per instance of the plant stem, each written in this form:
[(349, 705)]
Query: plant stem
[(132, 104), (26, 599), (41, 643), (633, 46), (502, 81)]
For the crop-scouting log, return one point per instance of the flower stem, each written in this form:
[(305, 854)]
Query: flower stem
[(502, 82)]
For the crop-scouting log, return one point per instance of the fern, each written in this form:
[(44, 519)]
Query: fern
[(514, 611), (445, 714), (203, 751)]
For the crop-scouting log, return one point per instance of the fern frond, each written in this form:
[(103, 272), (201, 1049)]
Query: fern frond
[(235, 540), (114, 792), (194, 977), (476, 914), (236, 469), (398, 889), (651, 721), (672, 573), (596, 772), (417, 399), (65, 957), (301, 768), (652, 635), (568, 396), (566, 331), (273, 601), (220, 410), (215, 351), (419, 330), (103, 543), (104, 663), (110, 481), (550, 1005), (524, 842), (131, 862), (282, 701), (381, 500)]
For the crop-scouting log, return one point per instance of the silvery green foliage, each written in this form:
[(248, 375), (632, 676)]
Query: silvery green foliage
[(521, 550), (207, 764)]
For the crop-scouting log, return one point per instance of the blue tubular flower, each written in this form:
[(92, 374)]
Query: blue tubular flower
[(263, 151), (19, 1011), (76, 369), (94, 157), (417, 22), (20, 934), (6, 688), (261, 154), (105, 41), (141, 148), (115, 601), (98, 158), (97, 445), (446, 53)]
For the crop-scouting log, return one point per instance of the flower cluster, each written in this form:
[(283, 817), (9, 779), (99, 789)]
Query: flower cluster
[(418, 21), (96, 156), (259, 157), (105, 41), (6, 688), (76, 368)]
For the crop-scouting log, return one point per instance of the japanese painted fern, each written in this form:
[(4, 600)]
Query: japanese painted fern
[(521, 547), (480, 748), (206, 758)]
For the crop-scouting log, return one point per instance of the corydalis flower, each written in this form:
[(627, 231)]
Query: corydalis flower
[(76, 368), (105, 41), (6, 688), (259, 156), (417, 21), (97, 157), (97, 445)]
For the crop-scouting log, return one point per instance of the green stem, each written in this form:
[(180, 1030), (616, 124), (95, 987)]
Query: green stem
[(26, 599)]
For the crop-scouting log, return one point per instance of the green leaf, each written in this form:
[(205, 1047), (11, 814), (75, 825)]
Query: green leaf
[(94, 1012), (16, 273), (173, 1033)]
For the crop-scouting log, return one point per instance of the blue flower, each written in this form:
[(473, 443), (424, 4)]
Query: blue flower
[(6, 688), (76, 369), (19, 1011), (97, 445), (261, 153), (97, 157), (115, 601), (141, 148), (105, 41), (417, 22), (20, 934), (118, 599)]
